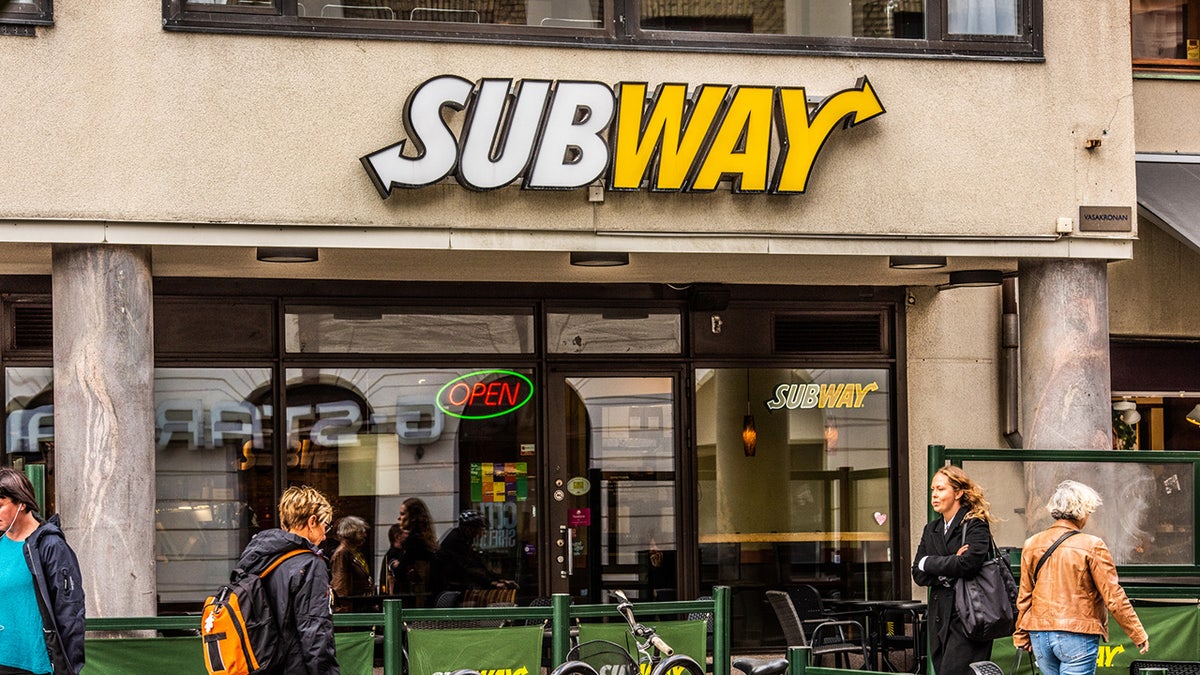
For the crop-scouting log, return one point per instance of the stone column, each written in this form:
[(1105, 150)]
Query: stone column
[(1066, 397), (104, 421), (1065, 380)]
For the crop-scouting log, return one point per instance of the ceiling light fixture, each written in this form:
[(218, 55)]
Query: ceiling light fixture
[(916, 262), (285, 254), (973, 279), (599, 259)]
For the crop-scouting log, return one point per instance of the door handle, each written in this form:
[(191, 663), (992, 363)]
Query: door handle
[(570, 539)]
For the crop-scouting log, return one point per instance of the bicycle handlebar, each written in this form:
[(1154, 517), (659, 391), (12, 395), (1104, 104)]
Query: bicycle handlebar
[(662, 647)]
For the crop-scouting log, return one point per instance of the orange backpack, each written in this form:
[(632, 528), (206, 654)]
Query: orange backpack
[(237, 628)]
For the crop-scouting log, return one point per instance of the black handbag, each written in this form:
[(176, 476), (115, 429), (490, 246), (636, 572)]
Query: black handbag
[(987, 603)]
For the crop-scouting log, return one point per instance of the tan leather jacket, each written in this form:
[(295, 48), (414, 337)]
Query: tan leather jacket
[(1076, 588)]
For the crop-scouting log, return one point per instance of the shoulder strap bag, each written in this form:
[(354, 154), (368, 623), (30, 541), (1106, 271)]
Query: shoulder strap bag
[(987, 603), (1038, 567)]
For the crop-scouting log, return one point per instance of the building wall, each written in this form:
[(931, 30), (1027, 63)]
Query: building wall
[(1160, 124), (137, 124)]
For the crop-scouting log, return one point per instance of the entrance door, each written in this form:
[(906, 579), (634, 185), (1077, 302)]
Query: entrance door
[(612, 483)]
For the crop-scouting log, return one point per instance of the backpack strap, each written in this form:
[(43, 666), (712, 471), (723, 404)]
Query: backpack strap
[(1038, 568), (275, 563)]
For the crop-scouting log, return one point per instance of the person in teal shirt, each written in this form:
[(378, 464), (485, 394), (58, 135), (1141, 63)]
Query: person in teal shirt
[(42, 617)]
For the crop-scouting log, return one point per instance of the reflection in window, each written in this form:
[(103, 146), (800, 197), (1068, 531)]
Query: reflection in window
[(572, 13), (824, 18), (370, 438), (26, 11), (1166, 30), (812, 505), (375, 330), (214, 474), (615, 331), (29, 428), (1146, 518)]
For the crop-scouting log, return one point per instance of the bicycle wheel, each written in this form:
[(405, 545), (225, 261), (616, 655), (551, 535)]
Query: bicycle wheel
[(574, 668), (678, 664), (607, 658)]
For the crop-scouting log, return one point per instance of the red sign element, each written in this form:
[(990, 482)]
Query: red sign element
[(579, 517)]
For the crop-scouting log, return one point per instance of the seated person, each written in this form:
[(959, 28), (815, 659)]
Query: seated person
[(459, 567)]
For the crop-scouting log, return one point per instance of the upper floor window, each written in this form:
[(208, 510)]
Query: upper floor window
[(1166, 33), (977, 27), (16, 13)]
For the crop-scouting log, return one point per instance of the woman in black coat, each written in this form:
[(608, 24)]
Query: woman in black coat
[(952, 547)]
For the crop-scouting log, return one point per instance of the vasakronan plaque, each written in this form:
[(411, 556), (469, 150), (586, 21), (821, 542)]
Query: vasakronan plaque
[(1105, 219)]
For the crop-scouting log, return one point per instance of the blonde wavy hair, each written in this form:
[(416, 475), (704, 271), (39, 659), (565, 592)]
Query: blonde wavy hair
[(298, 503), (972, 495)]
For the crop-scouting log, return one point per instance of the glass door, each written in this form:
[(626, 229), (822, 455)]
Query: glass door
[(612, 477)]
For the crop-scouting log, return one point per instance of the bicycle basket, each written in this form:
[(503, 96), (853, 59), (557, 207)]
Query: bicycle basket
[(606, 657)]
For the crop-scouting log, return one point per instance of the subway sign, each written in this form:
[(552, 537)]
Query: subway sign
[(568, 134)]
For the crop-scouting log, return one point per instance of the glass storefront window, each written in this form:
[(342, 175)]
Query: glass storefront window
[(357, 329), (616, 331), (29, 428), (214, 474), (809, 503), (458, 439), (1165, 32)]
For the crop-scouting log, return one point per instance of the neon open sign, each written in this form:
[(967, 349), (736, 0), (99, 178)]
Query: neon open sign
[(484, 394)]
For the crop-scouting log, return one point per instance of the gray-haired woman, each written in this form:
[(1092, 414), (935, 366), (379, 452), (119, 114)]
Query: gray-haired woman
[(351, 571), (1063, 614)]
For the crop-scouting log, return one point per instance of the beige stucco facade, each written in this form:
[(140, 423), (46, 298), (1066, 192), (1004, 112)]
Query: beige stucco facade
[(203, 146)]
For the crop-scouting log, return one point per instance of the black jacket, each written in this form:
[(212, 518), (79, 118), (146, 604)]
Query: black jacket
[(458, 566), (59, 587), (943, 568), (299, 593)]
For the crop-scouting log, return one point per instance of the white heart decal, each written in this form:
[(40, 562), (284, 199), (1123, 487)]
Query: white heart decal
[(880, 518)]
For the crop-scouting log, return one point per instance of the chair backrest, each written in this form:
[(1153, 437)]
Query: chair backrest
[(789, 621), (706, 617), (1172, 667), (807, 600), (986, 668), (488, 597), (447, 599)]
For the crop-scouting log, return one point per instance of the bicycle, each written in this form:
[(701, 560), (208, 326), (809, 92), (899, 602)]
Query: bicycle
[(654, 655)]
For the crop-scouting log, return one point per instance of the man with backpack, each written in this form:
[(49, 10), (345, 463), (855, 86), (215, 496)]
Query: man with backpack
[(297, 588)]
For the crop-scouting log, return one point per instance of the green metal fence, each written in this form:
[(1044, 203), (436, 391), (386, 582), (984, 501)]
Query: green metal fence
[(558, 617)]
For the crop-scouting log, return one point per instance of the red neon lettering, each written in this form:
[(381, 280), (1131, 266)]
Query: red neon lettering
[(509, 390), (490, 399), (460, 399), (477, 390)]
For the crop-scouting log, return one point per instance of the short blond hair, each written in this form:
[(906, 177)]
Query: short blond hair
[(299, 503), (1073, 501)]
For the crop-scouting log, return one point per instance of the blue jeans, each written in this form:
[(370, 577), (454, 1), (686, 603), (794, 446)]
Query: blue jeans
[(1062, 653)]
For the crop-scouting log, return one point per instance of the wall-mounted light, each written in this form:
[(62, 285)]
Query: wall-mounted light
[(285, 254), (599, 259), (1194, 416), (973, 279), (916, 262)]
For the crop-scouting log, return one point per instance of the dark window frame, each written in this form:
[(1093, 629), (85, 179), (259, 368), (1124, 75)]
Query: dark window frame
[(622, 31), (43, 17)]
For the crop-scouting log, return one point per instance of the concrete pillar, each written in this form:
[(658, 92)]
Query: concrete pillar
[(104, 421), (1066, 398), (1065, 380)]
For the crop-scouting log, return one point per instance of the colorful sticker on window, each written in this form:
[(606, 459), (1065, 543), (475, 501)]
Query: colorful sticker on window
[(498, 482)]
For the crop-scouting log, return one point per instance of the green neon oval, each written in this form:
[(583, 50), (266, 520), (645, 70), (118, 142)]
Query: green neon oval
[(516, 407)]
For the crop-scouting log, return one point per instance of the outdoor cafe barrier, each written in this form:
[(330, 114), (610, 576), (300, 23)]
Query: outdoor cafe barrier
[(1158, 567), (356, 648)]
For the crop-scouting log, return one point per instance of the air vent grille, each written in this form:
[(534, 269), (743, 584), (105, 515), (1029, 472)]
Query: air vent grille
[(821, 333), (32, 328)]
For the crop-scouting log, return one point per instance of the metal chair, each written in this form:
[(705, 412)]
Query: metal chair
[(986, 668), (1172, 667), (840, 638)]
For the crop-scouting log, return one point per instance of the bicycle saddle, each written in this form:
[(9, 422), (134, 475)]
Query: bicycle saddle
[(751, 667)]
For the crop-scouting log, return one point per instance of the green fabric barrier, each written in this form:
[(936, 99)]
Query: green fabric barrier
[(685, 637), (515, 650), (184, 655), (1174, 635)]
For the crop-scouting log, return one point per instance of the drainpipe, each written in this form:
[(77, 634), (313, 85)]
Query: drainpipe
[(1010, 360)]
